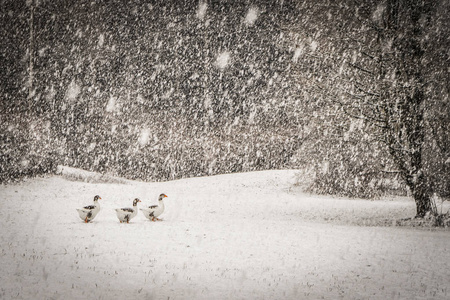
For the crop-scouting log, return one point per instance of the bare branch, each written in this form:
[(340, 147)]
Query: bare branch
[(362, 69)]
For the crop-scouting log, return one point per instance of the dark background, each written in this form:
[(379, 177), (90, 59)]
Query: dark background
[(132, 88)]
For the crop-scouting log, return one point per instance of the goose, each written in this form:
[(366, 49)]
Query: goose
[(154, 211), (126, 214), (88, 213)]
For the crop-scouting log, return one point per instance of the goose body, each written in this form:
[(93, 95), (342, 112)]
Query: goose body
[(126, 214), (88, 213), (154, 211)]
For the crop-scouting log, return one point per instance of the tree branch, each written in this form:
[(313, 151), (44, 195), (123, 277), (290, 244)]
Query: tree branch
[(361, 69)]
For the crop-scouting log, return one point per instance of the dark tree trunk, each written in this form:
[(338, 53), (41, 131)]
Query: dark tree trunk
[(409, 47), (421, 196), (416, 137)]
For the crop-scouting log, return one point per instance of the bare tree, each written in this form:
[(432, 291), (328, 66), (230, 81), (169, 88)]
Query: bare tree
[(389, 84)]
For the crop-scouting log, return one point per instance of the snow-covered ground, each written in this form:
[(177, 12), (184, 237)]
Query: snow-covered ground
[(240, 236)]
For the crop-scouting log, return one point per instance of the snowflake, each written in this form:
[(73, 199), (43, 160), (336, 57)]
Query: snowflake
[(223, 59), (251, 16)]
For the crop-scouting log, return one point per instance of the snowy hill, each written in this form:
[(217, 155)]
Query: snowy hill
[(238, 236)]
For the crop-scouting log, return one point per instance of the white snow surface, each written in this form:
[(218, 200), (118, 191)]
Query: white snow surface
[(238, 236)]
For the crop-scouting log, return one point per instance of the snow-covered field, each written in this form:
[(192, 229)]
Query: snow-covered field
[(240, 236)]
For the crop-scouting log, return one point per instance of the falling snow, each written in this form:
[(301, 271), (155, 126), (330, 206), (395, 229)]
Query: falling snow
[(271, 125), (111, 106), (223, 60), (73, 90), (297, 53), (144, 137), (101, 40), (201, 11), (252, 16)]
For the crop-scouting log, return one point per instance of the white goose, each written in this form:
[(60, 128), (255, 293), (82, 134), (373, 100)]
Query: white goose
[(89, 212), (154, 211), (126, 214)]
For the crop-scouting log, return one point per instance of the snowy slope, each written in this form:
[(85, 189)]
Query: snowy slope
[(239, 236)]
